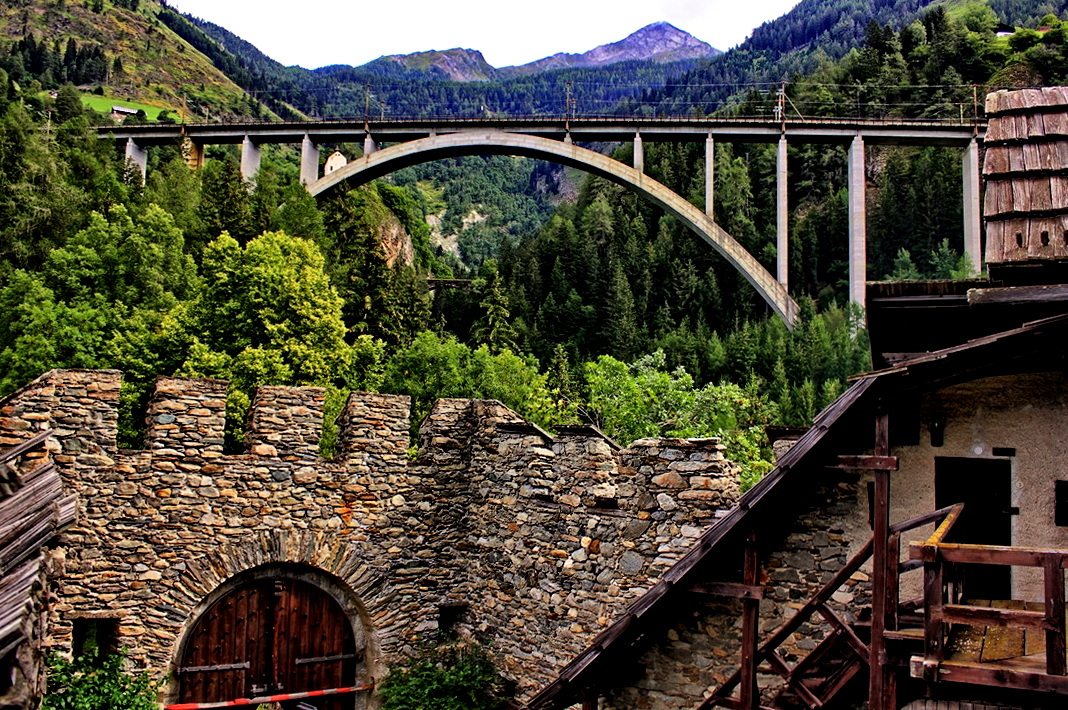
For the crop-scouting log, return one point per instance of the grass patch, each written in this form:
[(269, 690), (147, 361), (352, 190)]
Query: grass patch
[(103, 104)]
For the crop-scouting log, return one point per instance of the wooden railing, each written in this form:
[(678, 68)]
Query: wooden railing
[(941, 591)]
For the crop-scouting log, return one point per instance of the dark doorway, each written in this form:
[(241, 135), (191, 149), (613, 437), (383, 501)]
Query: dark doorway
[(985, 488), (268, 637)]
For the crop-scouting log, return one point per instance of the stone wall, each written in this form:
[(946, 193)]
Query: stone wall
[(530, 541)]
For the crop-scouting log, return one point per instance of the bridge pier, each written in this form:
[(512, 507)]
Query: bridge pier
[(782, 217), (858, 217), (193, 153), (973, 226), (309, 161), (639, 153), (137, 155), (710, 175), (369, 145), (250, 159)]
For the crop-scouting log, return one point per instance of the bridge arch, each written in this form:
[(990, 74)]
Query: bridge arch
[(387, 160)]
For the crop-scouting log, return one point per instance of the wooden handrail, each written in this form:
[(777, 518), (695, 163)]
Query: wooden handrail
[(991, 554), (928, 518), (939, 611)]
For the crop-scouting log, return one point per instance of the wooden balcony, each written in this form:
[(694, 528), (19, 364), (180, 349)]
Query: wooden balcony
[(1002, 643)]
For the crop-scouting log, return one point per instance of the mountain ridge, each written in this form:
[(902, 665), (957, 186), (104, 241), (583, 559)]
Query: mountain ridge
[(659, 42)]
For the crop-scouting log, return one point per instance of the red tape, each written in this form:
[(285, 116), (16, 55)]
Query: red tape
[(244, 702)]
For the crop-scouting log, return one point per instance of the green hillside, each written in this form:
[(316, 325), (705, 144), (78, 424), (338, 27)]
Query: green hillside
[(122, 47)]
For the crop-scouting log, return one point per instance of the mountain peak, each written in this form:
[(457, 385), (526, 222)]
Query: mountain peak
[(457, 64), (658, 42)]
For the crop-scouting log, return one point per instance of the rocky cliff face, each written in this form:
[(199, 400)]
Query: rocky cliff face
[(658, 42), (396, 242)]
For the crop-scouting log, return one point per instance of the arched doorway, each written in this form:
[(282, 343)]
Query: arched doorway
[(270, 636)]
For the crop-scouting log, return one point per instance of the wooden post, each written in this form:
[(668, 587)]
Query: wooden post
[(1055, 635), (932, 613), (590, 704), (893, 591), (881, 691), (749, 697)]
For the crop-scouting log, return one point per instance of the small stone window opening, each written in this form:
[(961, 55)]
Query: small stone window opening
[(1019, 239), (1064, 238), (1045, 238), (95, 639), (606, 503), (449, 617)]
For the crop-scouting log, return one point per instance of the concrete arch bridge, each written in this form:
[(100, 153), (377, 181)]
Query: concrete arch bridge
[(553, 139)]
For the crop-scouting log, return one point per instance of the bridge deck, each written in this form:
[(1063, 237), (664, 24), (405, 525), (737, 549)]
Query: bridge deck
[(607, 129)]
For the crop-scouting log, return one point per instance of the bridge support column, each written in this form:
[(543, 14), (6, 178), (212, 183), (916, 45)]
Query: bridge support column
[(858, 218), (782, 217), (137, 155), (710, 175), (309, 161), (193, 153), (369, 145), (639, 153), (250, 159), (973, 225)]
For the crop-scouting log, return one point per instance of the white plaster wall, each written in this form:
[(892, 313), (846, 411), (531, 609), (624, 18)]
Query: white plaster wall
[(1028, 413)]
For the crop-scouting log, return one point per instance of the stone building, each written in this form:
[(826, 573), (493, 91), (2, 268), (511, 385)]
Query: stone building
[(829, 584), (277, 571)]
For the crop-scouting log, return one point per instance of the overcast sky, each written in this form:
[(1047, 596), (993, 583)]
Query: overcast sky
[(315, 33)]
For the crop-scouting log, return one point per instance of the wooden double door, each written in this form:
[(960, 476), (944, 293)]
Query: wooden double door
[(270, 637)]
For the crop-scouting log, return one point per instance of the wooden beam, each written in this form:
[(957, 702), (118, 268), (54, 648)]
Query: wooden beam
[(866, 463), (991, 674), (728, 589), (847, 632), (988, 554), (1018, 294), (748, 693), (1055, 633), (932, 620), (881, 690), (992, 616), (18, 450)]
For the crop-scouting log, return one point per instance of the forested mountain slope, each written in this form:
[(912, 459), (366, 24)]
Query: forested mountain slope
[(121, 47), (611, 313)]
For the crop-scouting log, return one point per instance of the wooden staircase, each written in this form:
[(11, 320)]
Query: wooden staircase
[(816, 679)]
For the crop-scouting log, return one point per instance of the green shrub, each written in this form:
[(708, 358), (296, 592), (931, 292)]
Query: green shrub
[(447, 677), (90, 684)]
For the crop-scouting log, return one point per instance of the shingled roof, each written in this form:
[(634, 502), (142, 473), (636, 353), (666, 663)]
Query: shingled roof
[(1010, 351), (1026, 170)]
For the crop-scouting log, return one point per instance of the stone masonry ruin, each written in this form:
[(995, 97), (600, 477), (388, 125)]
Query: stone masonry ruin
[(532, 542)]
